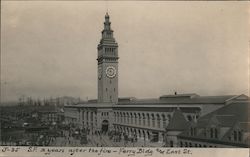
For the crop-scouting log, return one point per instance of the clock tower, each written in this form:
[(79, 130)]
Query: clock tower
[(107, 65)]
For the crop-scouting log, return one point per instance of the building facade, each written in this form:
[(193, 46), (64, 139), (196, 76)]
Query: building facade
[(145, 119)]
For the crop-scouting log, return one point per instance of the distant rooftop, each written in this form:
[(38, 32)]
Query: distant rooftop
[(183, 99), (228, 117)]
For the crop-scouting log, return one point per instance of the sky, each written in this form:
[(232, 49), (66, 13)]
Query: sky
[(49, 48)]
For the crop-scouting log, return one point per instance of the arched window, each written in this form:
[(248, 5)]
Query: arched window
[(128, 119), (189, 117), (91, 116), (164, 121), (235, 135), (83, 115), (169, 117), (205, 132), (158, 121), (124, 117), (215, 133), (131, 118), (186, 144), (211, 132), (181, 144), (171, 143), (148, 119), (115, 116), (121, 117), (143, 118), (135, 116), (153, 120), (139, 117), (239, 136), (190, 144), (195, 131)]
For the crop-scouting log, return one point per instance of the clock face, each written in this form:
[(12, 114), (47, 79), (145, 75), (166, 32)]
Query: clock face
[(100, 72), (110, 71)]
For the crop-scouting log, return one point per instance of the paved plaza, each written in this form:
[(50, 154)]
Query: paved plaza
[(103, 140)]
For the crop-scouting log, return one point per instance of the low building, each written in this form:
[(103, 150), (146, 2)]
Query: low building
[(176, 126), (48, 116), (226, 127), (146, 119)]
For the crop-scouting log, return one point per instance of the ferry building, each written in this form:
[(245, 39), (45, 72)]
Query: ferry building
[(147, 119)]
